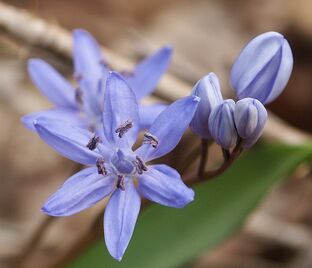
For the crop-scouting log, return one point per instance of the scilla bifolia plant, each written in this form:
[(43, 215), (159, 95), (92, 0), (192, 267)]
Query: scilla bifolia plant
[(97, 125), (258, 76)]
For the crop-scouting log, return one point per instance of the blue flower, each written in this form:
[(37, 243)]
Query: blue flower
[(250, 117), (83, 106), (263, 68), (222, 125), (208, 89), (115, 168)]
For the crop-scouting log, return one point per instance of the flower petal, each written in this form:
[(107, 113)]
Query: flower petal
[(149, 71), (163, 184), (209, 91), (120, 107), (283, 75), (51, 84), (120, 217), (87, 55), (67, 140), (169, 127), (148, 114), (66, 115), (222, 126), (79, 192), (90, 69)]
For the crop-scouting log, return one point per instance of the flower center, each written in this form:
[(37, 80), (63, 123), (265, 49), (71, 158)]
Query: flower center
[(123, 162)]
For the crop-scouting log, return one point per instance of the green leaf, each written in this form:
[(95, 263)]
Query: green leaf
[(166, 237)]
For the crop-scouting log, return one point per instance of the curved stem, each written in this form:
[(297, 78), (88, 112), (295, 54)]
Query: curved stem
[(228, 161)]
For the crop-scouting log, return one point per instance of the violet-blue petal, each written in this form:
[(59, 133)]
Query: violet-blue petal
[(120, 108), (148, 114), (89, 68), (163, 184), (222, 125), (169, 127), (87, 55), (250, 117), (67, 115), (263, 68), (120, 218), (67, 140), (283, 74), (51, 83), (209, 91), (79, 192), (149, 71)]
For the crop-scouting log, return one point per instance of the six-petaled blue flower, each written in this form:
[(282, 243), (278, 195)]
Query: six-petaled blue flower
[(116, 168), (83, 106)]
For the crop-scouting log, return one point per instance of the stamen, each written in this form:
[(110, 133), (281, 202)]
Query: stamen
[(124, 128), (100, 166), (150, 139), (139, 165), (121, 182), (78, 96), (93, 142)]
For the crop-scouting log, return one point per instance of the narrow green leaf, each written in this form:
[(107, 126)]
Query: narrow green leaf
[(166, 238)]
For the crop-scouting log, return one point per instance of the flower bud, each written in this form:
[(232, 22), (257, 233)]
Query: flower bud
[(208, 89), (250, 117), (263, 68), (222, 126)]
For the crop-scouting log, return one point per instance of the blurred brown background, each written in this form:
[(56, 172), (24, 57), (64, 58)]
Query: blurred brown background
[(206, 36)]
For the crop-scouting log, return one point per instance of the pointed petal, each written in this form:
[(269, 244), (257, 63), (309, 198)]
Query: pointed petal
[(149, 71), (163, 184), (79, 192), (169, 127), (51, 84), (148, 114), (120, 217), (87, 55), (66, 115), (209, 91), (67, 140), (120, 107), (90, 69)]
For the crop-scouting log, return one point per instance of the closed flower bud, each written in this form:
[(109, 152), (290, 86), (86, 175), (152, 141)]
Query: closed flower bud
[(250, 117), (208, 89), (263, 68), (222, 126)]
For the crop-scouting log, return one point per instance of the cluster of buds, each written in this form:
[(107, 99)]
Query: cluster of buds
[(258, 76)]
